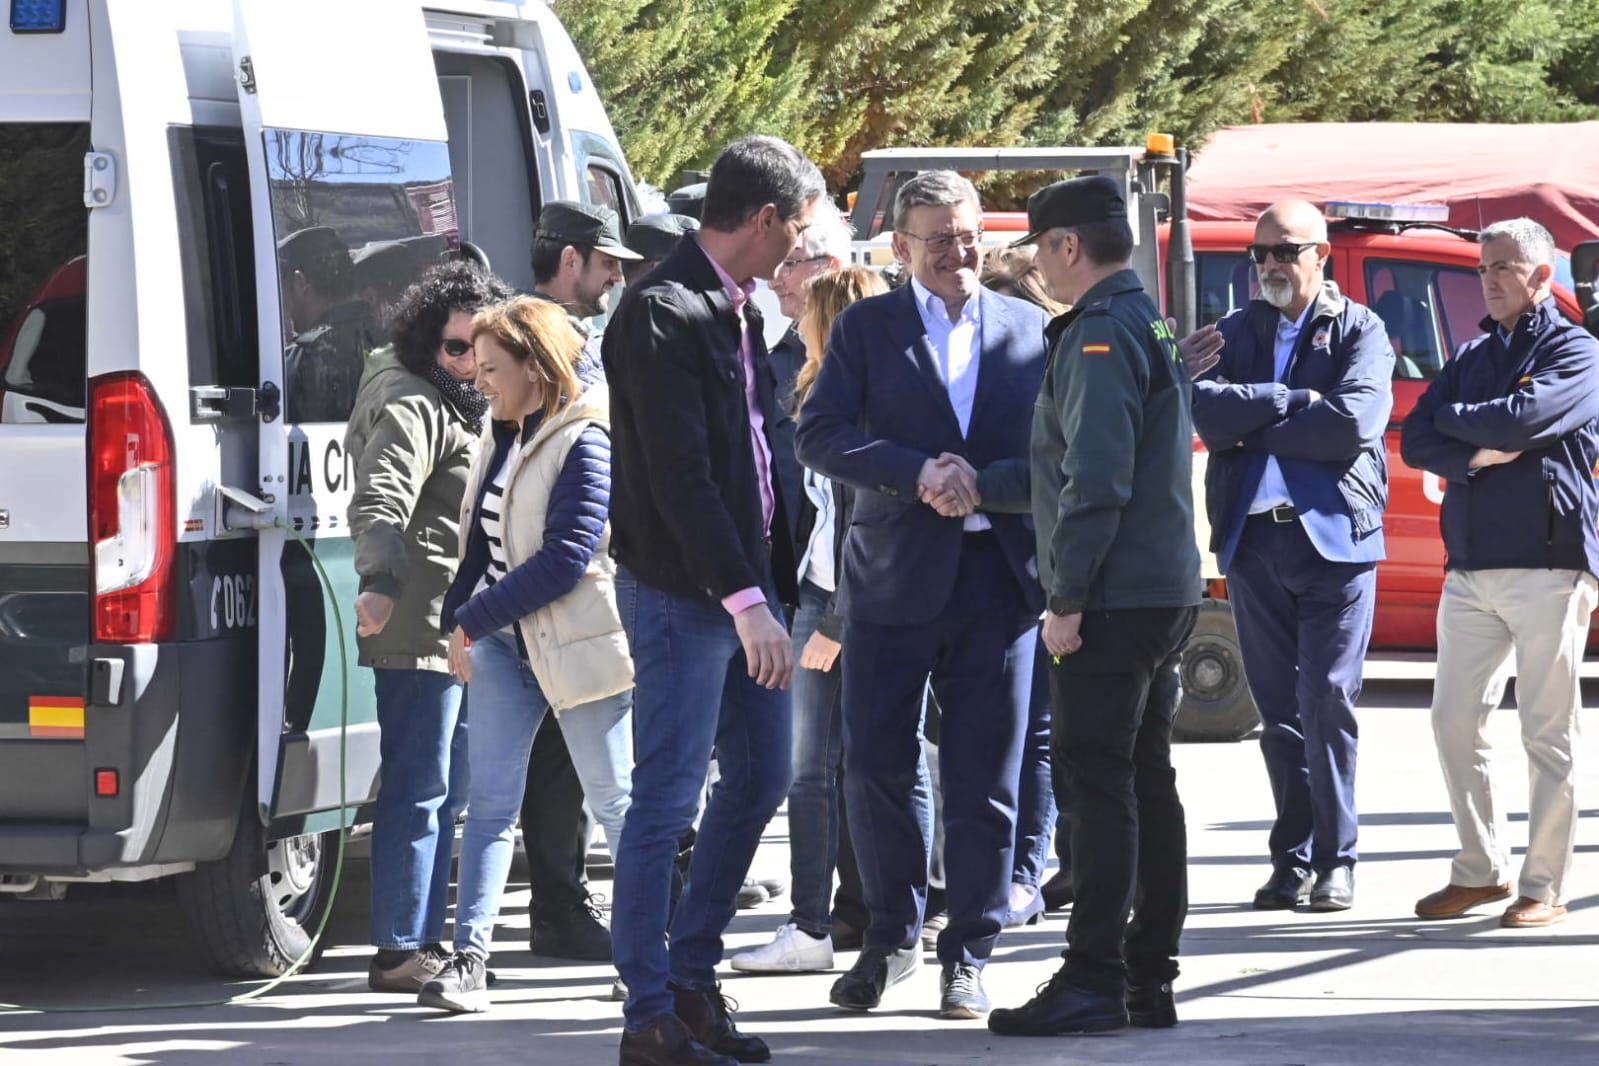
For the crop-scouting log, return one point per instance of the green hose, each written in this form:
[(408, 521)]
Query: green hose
[(338, 867)]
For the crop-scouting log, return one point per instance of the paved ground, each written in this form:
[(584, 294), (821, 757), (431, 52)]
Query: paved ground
[(1372, 985)]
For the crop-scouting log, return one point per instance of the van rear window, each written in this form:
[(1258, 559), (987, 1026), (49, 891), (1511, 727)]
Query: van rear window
[(42, 271)]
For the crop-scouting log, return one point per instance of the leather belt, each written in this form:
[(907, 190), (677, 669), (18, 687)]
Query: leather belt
[(1282, 514)]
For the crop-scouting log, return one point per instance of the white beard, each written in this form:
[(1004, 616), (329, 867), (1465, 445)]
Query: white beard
[(1279, 292)]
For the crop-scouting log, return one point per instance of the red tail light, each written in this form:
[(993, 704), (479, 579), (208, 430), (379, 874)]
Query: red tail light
[(132, 519)]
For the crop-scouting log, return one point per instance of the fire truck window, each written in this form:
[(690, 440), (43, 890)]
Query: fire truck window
[(1226, 283), (356, 219), (1460, 295), (1405, 296)]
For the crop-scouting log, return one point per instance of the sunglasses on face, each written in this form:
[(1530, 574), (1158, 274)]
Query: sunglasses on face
[(1282, 253), (456, 348)]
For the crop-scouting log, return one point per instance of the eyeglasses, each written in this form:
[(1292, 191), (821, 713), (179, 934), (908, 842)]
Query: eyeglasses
[(1287, 252), (944, 242), (795, 264), (456, 348)]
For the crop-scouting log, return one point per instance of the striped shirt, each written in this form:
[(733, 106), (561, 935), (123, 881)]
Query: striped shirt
[(489, 519)]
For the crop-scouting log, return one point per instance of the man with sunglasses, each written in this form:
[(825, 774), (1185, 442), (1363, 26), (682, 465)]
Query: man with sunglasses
[(924, 391), (1293, 412)]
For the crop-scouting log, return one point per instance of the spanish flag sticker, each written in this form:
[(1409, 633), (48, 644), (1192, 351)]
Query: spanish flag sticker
[(55, 718), (1096, 349)]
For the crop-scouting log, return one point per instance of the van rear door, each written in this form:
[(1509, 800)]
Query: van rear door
[(44, 551), (345, 133)]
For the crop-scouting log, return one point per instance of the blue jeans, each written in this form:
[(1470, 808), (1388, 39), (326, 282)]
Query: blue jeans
[(694, 695), (507, 708), (813, 807), (422, 743), (1036, 809)]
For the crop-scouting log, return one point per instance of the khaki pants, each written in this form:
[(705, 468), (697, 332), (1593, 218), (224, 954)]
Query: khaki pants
[(1542, 617)]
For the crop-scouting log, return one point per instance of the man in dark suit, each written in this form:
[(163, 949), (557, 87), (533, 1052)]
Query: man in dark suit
[(706, 565), (1295, 488), (923, 389)]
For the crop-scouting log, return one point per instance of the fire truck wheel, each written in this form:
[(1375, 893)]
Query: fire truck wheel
[(1216, 704)]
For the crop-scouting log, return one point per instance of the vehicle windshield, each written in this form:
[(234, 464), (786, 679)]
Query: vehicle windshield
[(43, 268)]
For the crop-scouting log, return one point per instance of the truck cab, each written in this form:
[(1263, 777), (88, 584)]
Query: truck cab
[(172, 701)]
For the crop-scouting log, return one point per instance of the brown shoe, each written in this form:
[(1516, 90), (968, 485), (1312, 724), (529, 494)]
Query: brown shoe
[(1528, 913), (1452, 901)]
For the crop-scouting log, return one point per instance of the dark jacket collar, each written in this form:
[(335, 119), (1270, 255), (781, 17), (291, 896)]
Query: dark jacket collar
[(1123, 281), (1543, 314)]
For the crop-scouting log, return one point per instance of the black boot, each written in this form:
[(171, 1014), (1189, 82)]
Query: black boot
[(574, 931), (666, 1041), (1150, 1004), (706, 1014)]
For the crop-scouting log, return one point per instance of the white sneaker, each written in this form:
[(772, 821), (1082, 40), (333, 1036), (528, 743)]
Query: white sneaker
[(791, 951)]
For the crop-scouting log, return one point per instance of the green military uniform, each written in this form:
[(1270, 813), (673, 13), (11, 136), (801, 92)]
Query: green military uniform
[(1112, 453)]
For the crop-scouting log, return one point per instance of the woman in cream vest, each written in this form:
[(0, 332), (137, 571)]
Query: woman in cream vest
[(532, 616)]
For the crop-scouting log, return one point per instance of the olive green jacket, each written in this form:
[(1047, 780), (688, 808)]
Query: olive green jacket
[(412, 453)]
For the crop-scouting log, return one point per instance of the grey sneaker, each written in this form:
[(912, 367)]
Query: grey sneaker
[(462, 986), (409, 974), (961, 985)]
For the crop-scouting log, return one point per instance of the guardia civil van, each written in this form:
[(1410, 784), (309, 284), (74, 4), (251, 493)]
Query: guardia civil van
[(170, 690)]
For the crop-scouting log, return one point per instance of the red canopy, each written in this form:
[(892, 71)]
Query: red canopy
[(1483, 172)]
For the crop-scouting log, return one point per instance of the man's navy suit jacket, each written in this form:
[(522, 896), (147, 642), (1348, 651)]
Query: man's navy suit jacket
[(880, 409)]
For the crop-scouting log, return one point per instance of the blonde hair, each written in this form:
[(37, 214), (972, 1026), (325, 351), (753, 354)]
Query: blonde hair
[(537, 331), (1013, 272), (827, 295)]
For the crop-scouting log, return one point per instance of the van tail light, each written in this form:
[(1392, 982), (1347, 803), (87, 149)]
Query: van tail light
[(132, 519)]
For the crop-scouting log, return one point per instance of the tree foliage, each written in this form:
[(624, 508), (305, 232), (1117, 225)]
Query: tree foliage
[(839, 77)]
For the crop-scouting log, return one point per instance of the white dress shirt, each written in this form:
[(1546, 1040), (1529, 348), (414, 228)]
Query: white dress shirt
[(818, 563), (956, 350), (1273, 490)]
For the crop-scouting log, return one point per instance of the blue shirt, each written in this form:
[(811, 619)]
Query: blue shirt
[(1273, 490)]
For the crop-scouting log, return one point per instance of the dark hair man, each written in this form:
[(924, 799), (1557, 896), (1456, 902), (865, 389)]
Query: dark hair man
[(706, 564)]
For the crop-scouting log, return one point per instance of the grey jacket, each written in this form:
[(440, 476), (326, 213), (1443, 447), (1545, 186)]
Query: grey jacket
[(412, 453)]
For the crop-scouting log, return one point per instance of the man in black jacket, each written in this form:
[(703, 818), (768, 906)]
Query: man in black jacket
[(1512, 426), (706, 562)]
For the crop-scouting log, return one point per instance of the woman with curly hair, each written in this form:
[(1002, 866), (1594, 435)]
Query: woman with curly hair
[(412, 436)]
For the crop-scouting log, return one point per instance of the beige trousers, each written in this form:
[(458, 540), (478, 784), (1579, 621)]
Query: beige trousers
[(1541, 616)]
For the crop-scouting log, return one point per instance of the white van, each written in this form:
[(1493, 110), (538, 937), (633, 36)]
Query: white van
[(169, 676)]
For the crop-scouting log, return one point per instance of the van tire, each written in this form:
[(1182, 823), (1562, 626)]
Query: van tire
[(1216, 704), (253, 912)]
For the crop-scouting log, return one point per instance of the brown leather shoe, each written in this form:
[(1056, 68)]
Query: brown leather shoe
[(1452, 901), (1528, 913)]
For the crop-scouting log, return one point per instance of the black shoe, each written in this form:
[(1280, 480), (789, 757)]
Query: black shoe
[(706, 1014), (875, 972), (576, 931), (666, 1041), (462, 987), (1058, 890), (1335, 890), (1287, 888), (847, 937), (1150, 1004), (961, 992), (1059, 1008), (751, 894)]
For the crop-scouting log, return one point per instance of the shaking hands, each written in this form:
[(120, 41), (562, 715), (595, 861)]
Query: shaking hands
[(948, 485)]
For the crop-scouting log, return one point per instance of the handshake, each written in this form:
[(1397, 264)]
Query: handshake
[(948, 485)]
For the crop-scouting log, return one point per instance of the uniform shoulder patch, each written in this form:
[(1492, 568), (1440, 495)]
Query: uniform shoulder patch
[(1096, 349)]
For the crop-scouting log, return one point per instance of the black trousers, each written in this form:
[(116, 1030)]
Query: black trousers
[(1114, 701), (555, 827)]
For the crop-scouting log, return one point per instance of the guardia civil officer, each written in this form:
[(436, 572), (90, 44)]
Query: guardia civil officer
[(1112, 448)]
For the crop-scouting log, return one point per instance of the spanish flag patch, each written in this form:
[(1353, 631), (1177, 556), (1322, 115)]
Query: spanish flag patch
[(55, 718), (1096, 349)]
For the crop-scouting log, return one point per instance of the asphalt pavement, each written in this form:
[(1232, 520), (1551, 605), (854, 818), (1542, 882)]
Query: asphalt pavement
[(1370, 985)]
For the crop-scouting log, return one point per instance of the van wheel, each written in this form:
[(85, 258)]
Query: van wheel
[(1216, 703), (252, 913)]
